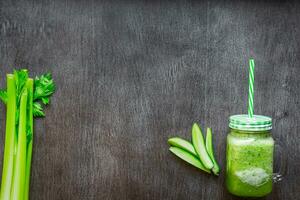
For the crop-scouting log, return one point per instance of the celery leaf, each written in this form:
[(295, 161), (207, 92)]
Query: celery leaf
[(3, 96), (37, 110), (43, 88), (21, 77)]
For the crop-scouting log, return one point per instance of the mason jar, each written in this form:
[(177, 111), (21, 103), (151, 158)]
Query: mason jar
[(249, 156)]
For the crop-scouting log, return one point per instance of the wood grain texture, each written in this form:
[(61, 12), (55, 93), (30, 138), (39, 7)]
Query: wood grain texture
[(131, 74)]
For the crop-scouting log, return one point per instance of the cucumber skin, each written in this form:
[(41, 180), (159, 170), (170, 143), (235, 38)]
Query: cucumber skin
[(188, 158), (198, 143), (209, 148), (183, 144)]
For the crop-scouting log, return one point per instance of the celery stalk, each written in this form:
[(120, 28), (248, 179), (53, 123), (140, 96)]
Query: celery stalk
[(25, 99), (8, 160), (20, 165), (29, 143)]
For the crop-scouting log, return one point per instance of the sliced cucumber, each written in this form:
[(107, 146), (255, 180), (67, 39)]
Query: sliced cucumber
[(183, 144), (210, 151), (198, 142), (186, 156)]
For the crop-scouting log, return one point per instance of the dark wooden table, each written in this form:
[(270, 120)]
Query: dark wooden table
[(131, 74)]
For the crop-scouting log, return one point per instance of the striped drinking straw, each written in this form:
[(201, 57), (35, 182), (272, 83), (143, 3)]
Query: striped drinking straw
[(251, 88)]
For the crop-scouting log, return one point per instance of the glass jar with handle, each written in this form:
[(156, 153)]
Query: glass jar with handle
[(249, 154)]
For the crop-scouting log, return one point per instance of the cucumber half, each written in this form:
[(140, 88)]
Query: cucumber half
[(210, 151), (183, 144), (188, 157), (198, 143)]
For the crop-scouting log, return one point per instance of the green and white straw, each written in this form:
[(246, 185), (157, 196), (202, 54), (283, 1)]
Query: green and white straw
[(251, 88)]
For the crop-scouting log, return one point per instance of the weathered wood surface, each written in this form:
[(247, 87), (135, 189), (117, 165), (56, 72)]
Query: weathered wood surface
[(130, 74)]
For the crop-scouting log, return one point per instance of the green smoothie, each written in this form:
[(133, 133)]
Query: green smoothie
[(249, 166), (249, 163)]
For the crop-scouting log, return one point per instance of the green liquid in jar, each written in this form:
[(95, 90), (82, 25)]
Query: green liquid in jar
[(249, 166)]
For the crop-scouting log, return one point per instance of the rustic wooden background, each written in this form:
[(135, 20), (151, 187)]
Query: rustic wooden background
[(131, 74)]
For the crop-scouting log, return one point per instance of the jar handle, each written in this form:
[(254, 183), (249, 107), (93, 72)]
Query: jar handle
[(281, 171)]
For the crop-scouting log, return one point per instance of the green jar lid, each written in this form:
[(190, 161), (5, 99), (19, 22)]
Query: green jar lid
[(255, 123)]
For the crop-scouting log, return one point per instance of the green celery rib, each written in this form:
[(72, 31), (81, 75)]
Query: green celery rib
[(198, 142), (210, 151), (8, 161), (17, 192), (29, 143)]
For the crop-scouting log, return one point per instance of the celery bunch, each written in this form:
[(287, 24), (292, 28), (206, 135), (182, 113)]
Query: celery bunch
[(24, 99)]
